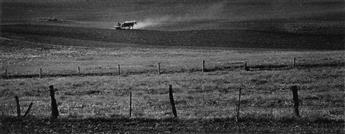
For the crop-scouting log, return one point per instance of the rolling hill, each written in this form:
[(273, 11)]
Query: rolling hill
[(198, 38)]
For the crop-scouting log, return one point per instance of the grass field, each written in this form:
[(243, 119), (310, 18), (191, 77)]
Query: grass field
[(200, 97), (59, 36)]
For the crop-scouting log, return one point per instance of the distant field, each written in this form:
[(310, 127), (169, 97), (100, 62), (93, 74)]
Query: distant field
[(286, 15), (199, 38)]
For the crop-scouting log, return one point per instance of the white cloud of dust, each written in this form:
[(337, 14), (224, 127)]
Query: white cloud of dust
[(193, 14)]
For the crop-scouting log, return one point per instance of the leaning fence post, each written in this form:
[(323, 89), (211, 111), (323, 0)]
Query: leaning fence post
[(54, 107), (40, 74), (28, 110), (203, 66), (159, 68), (118, 69), (294, 90), (172, 101), (78, 70), (18, 106), (6, 73), (130, 104), (238, 105), (246, 66)]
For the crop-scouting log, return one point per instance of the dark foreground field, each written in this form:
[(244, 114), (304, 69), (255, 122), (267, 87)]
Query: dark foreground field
[(142, 125)]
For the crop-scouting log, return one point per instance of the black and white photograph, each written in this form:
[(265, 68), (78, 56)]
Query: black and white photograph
[(172, 66)]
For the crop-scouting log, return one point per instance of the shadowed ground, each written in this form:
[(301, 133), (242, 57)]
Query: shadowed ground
[(142, 125), (199, 38)]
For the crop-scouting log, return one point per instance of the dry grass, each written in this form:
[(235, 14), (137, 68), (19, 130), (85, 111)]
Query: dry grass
[(198, 95), (209, 95), (21, 57)]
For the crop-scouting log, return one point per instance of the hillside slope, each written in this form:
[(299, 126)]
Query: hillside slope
[(202, 38)]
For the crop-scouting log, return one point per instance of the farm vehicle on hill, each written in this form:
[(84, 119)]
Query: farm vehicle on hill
[(125, 25)]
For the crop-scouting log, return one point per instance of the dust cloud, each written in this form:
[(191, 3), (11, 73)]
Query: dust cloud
[(151, 22), (193, 14)]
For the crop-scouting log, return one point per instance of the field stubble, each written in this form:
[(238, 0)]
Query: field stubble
[(208, 96), (198, 95)]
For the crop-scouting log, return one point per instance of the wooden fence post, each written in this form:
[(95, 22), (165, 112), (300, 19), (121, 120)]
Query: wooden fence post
[(238, 105), (118, 69), (18, 106), (294, 62), (172, 101), (130, 104), (203, 66), (6, 73), (246, 66), (294, 90), (54, 107), (40, 74), (159, 68), (78, 70)]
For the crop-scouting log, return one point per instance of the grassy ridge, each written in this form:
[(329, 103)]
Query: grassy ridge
[(229, 67), (61, 56), (204, 38)]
